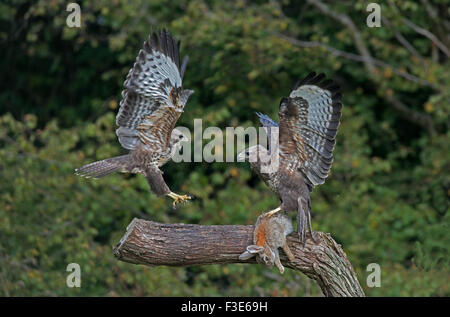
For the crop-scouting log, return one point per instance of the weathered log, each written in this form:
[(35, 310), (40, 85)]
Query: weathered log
[(152, 243)]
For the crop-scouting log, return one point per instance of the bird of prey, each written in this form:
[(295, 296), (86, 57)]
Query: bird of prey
[(152, 101), (307, 128)]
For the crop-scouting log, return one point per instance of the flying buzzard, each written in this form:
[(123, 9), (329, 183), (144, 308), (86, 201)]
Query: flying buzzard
[(308, 122), (152, 101)]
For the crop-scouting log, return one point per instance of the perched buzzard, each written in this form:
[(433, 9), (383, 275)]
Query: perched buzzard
[(308, 122), (153, 100)]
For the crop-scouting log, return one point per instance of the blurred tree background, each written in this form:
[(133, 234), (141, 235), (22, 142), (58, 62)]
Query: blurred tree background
[(386, 200)]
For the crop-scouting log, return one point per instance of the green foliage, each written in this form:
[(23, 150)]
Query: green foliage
[(386, 200)]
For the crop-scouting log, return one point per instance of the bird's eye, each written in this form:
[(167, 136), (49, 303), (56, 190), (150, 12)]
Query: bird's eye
[(180, 137)]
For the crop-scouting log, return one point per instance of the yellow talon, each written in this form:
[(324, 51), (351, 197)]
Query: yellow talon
[(272, 212), (178, 199)]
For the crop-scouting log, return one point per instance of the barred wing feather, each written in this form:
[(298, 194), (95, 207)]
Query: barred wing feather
[(309, 119), (152, 90)]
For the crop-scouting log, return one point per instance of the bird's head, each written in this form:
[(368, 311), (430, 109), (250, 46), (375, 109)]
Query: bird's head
[(177, 137), (252, 154)]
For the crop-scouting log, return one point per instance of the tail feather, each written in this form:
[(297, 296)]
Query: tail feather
[(102, 168)]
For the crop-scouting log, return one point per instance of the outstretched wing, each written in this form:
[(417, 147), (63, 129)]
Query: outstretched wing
[(266, 121), (153, 99), (309, 119), (268, 124)]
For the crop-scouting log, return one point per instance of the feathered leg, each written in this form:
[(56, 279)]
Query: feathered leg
[(308, 219), (160, 188), (272, 212), (302, 220)]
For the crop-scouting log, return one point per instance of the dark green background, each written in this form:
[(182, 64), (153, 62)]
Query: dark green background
[(386, 200)]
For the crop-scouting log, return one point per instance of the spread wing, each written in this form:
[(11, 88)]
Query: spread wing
[(266, 121), (152, 99), (268, 124), (309, 119)]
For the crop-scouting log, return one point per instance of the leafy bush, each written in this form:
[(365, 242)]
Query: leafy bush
[(386, 200)]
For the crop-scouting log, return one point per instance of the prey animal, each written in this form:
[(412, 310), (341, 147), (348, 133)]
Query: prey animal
[(307, 128), (270, 235)]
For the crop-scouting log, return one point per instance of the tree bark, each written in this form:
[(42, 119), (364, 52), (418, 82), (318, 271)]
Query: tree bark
[(151, 243)]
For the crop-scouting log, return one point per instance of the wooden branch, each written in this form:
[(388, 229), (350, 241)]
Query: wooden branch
[(346, 21), (433, 38), (402, 40), (357, 58), (152, 243)]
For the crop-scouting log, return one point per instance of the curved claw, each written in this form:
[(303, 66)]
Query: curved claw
[(272, 212), (313, 237), (179, 199)]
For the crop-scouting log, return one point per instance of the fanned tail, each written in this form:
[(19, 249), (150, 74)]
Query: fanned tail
[(102, 168)]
